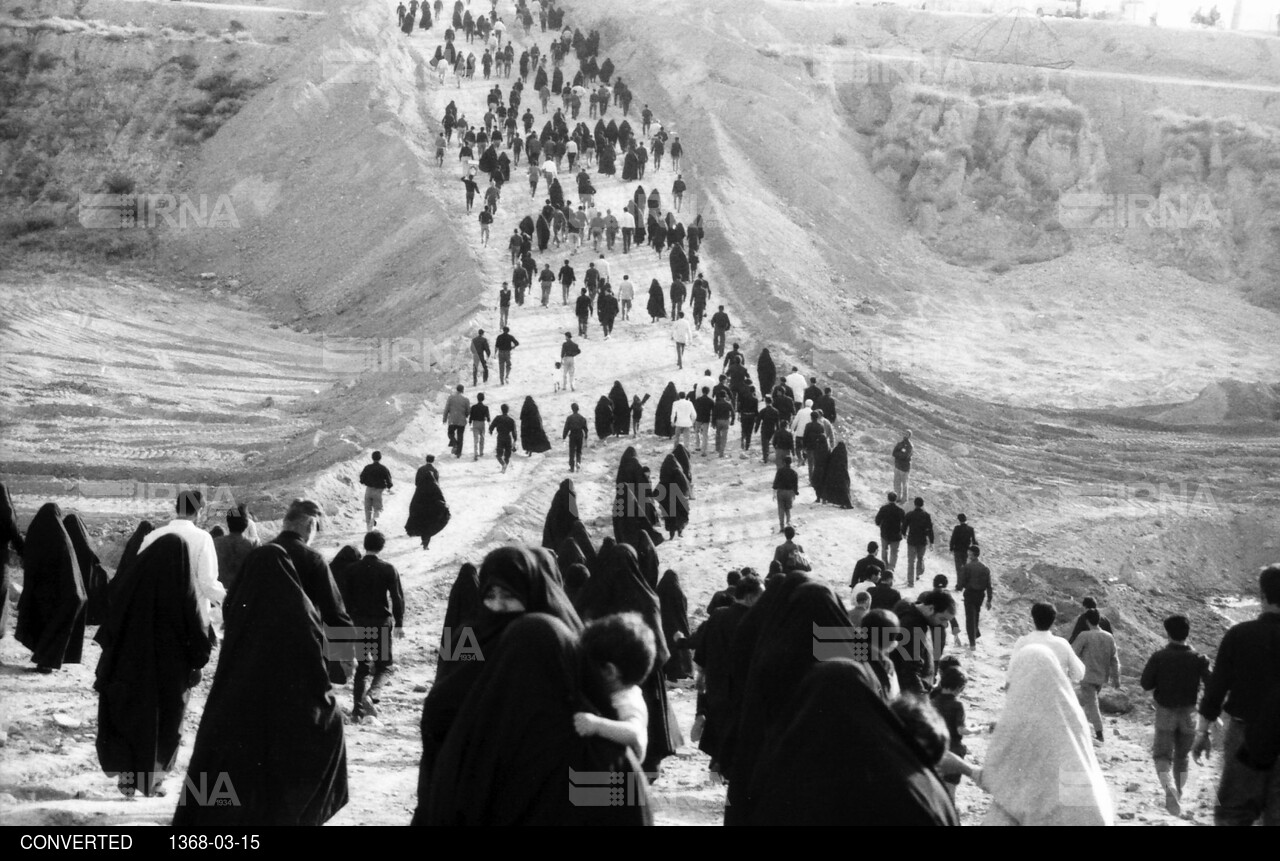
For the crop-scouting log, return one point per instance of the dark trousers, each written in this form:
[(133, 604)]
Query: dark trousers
[(626, 240), (972, 610), (766, 439), (961, 557), (582, 326), (455, 439), (575, 450), (748, 425)]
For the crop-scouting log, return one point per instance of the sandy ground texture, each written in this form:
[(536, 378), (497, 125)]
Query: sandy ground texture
[(1066, 500)]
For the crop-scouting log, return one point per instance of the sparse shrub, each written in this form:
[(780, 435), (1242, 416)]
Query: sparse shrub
[(235, 26), (770, 53), (114, 37), (44, 61), (119, 183), (183, 27), (839, 40), (186, 62), (21, 225), (18, 12)]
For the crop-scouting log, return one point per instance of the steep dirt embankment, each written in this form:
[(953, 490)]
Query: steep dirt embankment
[(336, 230), (824, 262)]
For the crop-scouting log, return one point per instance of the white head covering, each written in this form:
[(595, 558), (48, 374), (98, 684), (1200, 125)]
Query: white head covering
[(1040, 767)]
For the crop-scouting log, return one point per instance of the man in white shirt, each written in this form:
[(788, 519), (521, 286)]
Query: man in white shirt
[(802, 417), (682, 418), (626, 294), (796, 382), (1044, 615), (681, 333), (200, 550)]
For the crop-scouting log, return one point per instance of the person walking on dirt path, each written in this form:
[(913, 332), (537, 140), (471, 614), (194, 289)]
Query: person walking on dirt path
[(607, 310), (569, 351), (704, 406), (1096, 649), (575, 431), (720, 326), (768, 419), (505, 343), (698, 297), (486, 225), (472, 188), (962, 538), (1088, 602), (376, 478), (677, 294), (722, 415), (748, 407), (456, 410), (902, 454), (505, 427), (441, 143), (582, 308), (974, 584), (682, 334), (677, 191), (786, 484), (479, 418), (683, 418), (479, 357), (1244, 675), (567, 279), (545, 279), (919, 532), (646, 120), (626, 295), (675, 151), (1173, 676), (374, 599), (890, 518), (504, 306)]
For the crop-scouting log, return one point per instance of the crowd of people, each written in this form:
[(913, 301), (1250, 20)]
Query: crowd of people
[(551, 695)]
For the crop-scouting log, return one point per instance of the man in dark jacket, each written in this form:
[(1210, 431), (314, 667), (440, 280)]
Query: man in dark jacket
[(890, 520), (375, 600), (974, 582), (720, 327), (479, 358), (902, 454), (505, 427), (301, 525), (703, 407), (505, 343), (582, 307), (1244, 685), (575, 430), (962, 538), (747, 410), (376, 478), (768, 418), (567, 279), (919, 533), (883, 595), (1173, 675), (868, 567)]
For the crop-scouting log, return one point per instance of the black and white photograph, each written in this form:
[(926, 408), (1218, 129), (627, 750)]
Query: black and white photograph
[(661, 413)]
